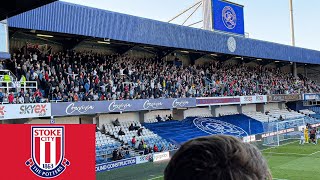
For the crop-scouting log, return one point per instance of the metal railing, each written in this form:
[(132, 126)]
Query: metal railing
[(7, 72), (6, 86)]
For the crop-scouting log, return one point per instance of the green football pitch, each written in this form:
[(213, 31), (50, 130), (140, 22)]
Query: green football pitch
[(290, 161)]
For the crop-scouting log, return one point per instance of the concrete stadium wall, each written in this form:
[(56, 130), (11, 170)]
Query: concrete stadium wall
[(94, 48), (286, 69), (86, 120), (248, 108), (153, 114), (178, 114), (216, 110), (60, 120), (231, 62), (17, 43), (196, 112), (252, 64), (108, 118), (271, 65), (204, 60), (140, 54), (269, 106), (185, 60)]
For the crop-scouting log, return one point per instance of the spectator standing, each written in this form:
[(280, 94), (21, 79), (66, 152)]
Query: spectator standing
[(140, 132), (131, 128), (133, 141), (116, 122), (11, 98), (155, 148), (21, 99), (121, 132), (158, 118), (1, 96)]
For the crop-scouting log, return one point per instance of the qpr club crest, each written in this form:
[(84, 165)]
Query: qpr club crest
[(229, 17), (213, 126), (47, 151), (232, 44)]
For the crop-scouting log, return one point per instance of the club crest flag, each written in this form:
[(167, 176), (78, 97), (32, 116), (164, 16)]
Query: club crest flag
[(48, 152)]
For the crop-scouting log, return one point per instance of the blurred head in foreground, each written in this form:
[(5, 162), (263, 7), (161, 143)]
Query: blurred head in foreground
[(217, 158)]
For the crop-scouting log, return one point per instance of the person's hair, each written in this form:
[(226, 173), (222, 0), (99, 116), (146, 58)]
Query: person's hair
[(217, 157)]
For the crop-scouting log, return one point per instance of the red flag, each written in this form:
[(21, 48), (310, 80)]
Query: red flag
[(35, 152)]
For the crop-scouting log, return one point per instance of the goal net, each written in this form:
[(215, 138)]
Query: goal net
[(283, 132)]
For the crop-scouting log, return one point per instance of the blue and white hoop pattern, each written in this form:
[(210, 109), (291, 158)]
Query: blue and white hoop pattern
[(213, 126), (229, 17)]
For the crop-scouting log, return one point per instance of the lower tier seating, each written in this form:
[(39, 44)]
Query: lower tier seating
[(181, 131)]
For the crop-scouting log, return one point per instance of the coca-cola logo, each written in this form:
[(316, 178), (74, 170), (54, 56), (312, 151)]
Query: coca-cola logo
[(82, 109), (120, 107), (2, 111), (39, 109), (151, 105), (177, 103)]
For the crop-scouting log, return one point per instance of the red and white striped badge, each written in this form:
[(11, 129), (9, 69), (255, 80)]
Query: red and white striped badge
[(48, 147)]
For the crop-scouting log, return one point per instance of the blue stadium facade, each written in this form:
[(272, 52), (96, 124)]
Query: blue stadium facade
[(68, 18)]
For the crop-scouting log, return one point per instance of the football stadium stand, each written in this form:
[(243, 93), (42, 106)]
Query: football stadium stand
[(242, 92), (260, 116), (285, 114), (71, 76), (306, 112), (111, 140)]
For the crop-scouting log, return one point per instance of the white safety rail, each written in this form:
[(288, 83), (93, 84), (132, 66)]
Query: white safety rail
[(7, 72), (26, 85)]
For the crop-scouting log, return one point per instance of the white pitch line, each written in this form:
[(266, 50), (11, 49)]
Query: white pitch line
[(287, 153), (155, 177), (279, 179), (280, 145), (314, 153)]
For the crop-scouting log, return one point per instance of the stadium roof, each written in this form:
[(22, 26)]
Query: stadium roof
[(62, 17), (14, 7)]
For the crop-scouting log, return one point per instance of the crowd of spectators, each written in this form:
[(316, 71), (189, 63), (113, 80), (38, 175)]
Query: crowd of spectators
[(72, 76)]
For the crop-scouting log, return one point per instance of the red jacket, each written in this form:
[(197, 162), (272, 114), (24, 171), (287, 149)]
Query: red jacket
[(11, 98), (155, 149), (37, 93)]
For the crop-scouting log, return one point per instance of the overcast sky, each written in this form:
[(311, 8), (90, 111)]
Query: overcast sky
[(267, 20)]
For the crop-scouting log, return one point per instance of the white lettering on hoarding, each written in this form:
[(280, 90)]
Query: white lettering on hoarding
[(176, 103), (121, 107), (153, 105), (80, 109), (161, 156)]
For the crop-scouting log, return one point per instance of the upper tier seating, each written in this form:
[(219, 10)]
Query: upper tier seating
[(74, 76)]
